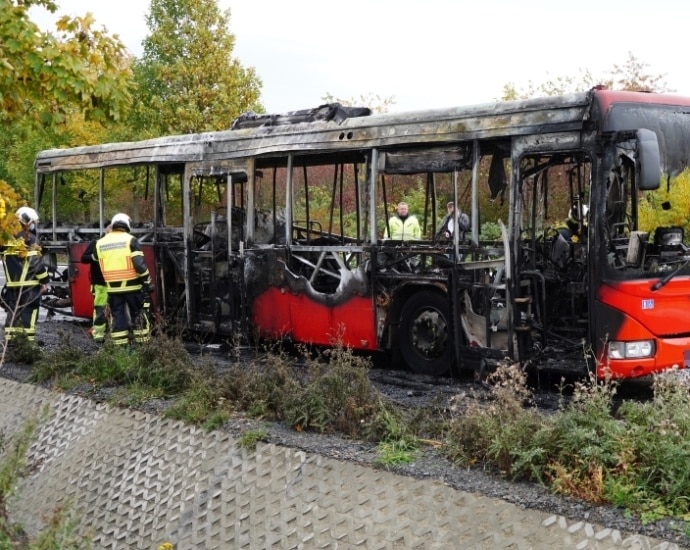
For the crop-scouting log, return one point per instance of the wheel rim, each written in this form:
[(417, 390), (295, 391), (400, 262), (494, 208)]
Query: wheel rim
[(429, 333)]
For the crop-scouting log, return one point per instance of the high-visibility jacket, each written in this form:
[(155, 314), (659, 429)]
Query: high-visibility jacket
[(122, 262), (403, 229), (26, 268)]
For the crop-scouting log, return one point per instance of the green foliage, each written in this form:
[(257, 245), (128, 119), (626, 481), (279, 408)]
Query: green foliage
[(676, 195), (261, 386), (13, 464), (490, 231), (64, 361), (392, 453), (188, 80), (631, 75), (636, 459), (23, 351), (388, 423), (216, 420), (21, 141), (59, 533), (331, 392), (203, 402), (165, 364), (250, 438), (78, 67), (497, 433), (397, 443), (651, 474), (57, 89), (581, 442), (13, 467), (337, 394), (161, 367)]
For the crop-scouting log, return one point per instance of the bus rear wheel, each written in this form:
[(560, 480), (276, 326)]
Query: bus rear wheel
[(424, 334)]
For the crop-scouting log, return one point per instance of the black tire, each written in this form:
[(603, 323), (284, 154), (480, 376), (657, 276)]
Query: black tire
[(424, 334)]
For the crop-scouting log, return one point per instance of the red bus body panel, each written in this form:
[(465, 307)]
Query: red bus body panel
[(80, 282), (278, 313), (607, 98), (80, 278), (629, 311)]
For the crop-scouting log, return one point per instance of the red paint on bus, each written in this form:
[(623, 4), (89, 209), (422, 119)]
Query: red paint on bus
[(278, 313)]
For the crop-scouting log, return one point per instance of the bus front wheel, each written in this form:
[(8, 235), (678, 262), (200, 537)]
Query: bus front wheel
[(424, 333)]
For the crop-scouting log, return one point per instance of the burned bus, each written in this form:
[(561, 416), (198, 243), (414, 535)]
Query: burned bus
[(274, 230)]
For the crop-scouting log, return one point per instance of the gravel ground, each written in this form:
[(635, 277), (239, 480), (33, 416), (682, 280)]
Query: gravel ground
[(428, 464)]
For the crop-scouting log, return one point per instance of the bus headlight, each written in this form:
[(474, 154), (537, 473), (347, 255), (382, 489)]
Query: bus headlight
[(631, 350)]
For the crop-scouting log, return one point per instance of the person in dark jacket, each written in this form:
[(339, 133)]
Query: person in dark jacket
[(26, 278), (455, 220), (448, 224)]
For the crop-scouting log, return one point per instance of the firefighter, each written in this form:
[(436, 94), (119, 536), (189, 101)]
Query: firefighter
[(567, 245), (128, 281), (99, 290), (575, 227), (26, 278)]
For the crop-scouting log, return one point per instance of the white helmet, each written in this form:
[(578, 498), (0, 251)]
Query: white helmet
[(121, 220), (27, 215), (579, 214)]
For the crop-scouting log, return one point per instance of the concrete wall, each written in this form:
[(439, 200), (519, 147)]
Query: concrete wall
[(139, 481)]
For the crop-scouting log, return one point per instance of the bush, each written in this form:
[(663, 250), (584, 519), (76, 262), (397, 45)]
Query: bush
[(498, 432), (161, 367)]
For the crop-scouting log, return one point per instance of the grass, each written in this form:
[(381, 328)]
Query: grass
[(250, 438), (162, 368), (393, 453)]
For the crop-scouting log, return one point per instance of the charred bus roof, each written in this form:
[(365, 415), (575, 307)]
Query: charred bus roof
[(260, 135)]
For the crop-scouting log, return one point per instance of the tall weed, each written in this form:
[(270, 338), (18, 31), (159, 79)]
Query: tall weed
[(496, 432), (335, 394), (582, 442), (652, 476)]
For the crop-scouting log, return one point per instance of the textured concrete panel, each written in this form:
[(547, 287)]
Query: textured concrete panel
[(139, 481)]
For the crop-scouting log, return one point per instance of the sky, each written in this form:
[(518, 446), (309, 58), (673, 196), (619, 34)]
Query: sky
[(426, 53)]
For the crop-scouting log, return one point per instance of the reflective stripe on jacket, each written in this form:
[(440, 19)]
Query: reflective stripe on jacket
[(24, 271)]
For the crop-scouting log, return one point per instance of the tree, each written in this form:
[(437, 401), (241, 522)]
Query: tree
[(375, 102), (630, 76), (558, 85), (188, 80), (45, 76)]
